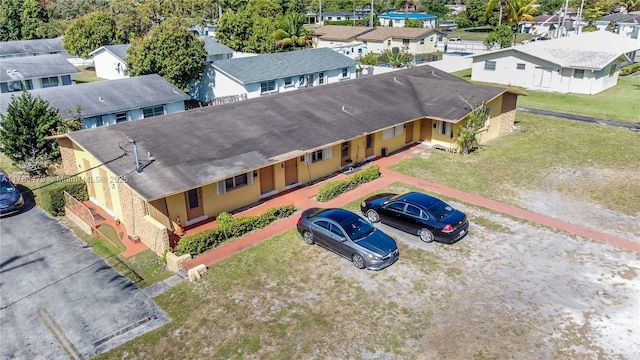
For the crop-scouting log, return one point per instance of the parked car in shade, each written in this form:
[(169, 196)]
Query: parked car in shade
[(348, 235), (420, 214), (11, 200)]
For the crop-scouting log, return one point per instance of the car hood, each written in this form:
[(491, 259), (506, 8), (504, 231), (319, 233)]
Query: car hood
[(9, 197), (379, 199), (378, 243)]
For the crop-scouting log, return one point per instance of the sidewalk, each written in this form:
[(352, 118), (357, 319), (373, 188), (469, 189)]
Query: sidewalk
[(303, 198)]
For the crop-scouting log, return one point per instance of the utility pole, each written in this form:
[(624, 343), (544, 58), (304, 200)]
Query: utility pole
[(321, 13), (580, 17), (371, 15), (564, 17)]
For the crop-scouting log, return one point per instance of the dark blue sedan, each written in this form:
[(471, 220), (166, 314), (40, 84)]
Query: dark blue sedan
[(420, 214), (350, 236)]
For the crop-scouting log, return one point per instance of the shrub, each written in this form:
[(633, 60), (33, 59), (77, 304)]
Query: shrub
[(630, 69), (335, 188), (52, 196), (230, 228)]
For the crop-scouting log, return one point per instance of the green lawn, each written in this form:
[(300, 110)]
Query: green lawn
[(87, 74), (584, 161)]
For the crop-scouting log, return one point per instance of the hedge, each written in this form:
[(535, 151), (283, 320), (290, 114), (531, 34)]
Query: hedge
[(335, 188), (51, 197), (630, 69), (229, 228)]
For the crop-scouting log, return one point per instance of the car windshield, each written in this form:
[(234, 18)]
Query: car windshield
[(440, 210), (357, 228), (6, 186)]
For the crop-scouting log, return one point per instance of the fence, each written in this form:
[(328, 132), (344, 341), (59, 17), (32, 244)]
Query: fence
[(77, 212)]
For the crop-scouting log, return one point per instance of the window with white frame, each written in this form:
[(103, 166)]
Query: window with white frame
[(320, 78), (578, 73), (520, 66), (443, 128), (392, 132), (490, 65), (288, 82), (421, 41), (49, 81), (389, 42), (405, 42), (612, 70), (153, 111), (318, 155), (66, 79), (345, 73), (267, 86), (234, 182)]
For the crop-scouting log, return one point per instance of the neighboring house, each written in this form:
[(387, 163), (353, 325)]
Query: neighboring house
[(417, 40), (192, 166), (109, 61), (396, 19), (250, 77), (320, 17), (35, 72), (103, 103), (341, 39), (587, 63), (550, 26), (627, 25), (215, 50), (32, 48)]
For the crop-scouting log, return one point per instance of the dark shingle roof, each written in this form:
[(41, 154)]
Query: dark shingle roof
[(254, 69), (31, 67), (36, 46), (205, 145), (106, 97), (119, 51)]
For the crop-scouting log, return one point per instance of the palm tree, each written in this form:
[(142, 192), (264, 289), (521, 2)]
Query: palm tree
[(491, 5), (291, 32), (224, 5), (518, 11)]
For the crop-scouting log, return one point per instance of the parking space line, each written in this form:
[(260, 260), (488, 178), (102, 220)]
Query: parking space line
[(57, 332)]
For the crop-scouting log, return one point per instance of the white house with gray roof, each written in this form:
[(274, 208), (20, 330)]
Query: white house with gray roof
[(251, 77), (103, 103), (587, 63), (33, 47), (35, 72), (109, 61)]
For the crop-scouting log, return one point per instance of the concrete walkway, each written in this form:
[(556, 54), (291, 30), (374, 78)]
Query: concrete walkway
[(592, 120), (303, 198)]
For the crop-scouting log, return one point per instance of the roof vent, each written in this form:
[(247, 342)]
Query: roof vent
[(100, 98)]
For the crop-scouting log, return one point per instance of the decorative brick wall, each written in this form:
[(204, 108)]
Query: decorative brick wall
[(137, 223), (68, 158)]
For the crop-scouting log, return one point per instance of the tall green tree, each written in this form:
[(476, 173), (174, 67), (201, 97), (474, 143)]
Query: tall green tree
[(32, 18), (25, 125), (400, 59), (251, 28), (169, 50), (89, 33), (291, 32), (10, 20), (412, 23), (517, 12)]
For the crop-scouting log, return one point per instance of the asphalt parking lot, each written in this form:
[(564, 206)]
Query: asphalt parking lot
[(58, 299)]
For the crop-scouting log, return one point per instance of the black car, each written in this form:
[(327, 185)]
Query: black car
[(348, 235), (11, 201), (426, 216)]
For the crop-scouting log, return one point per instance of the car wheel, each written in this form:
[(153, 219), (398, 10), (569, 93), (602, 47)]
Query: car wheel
[(358, 261), (426, 235), (373, 216), (308, 237)]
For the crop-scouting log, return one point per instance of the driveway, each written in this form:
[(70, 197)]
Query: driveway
[(58, 299)]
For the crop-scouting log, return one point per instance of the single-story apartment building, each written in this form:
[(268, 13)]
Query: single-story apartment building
[(416, 40), (110, 102), (397, 19), (190, 166), (35, 72), (587, 63)]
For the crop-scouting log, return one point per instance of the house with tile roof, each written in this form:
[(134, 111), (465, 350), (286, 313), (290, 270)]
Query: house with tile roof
[(109, 61), (35, 72), (416, 40), (193, 165), (587, 63), (103, 103), (250, 77)]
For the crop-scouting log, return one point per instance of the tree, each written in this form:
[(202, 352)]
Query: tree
[(436, 7), (501, 35), (25, 125), (10, 20), (474, 15), (630, 5), (412, 23), (169, 50), (468, 133), (89, 33), (250, 29), (370, 59), (291, 32), (517, 11), (491, 7), (31, 18)]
